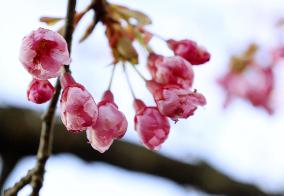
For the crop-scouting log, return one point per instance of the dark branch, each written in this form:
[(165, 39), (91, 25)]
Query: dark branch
[(46, 138), (9, 160), (122, 154)]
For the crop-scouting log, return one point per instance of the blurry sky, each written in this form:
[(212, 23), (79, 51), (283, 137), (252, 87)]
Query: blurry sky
[(242, 141)]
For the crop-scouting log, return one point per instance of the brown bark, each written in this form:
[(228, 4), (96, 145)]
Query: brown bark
[(19, 130)]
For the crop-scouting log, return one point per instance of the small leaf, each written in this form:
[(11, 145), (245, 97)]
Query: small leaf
[(50, 20), (127, 13), (250, 52), (240, 63), (126, 50)]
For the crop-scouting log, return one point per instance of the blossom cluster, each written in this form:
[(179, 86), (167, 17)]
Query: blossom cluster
[(250, 80), (171, 87), (252, 75), (44, 54)]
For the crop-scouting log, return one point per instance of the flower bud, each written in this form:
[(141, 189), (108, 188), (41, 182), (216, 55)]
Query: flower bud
[(78, 108), (189, 50), (43, 52), (152, 127), (171, 70), (40, 91), (111, 124), (175, 102)]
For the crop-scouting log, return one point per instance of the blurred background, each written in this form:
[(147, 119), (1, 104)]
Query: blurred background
[(241, 142)]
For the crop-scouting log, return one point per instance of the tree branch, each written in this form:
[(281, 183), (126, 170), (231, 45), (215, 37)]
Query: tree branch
[(36, 175), (46, 137), (121, 154)]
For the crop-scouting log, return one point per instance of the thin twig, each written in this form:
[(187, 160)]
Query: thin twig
[(20, 184), (69, 26), (45, 145), (36, 175)]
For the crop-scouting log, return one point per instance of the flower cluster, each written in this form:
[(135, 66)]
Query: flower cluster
[(44, 52), (250, 80), (171, 87)]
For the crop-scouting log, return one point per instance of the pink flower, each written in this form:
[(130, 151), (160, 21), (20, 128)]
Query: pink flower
[(78, 108), (189, 50), (254, 84), (43, 52), (175, 102), (40, 91), (170, 70), (152, 127), (111, 124)]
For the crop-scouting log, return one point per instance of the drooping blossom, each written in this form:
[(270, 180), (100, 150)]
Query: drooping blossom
[(111, 124), (175, 102), (152, 127), (170, 70), (40, 91), (255, 84), (43, 52), (78, 108), (189, 50)]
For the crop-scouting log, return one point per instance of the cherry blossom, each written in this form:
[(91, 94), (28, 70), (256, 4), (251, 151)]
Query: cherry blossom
[(111, 124), (43, 52), (40, 91), (175, 102), (170, 70), (255, 84), (189, 50), (152, 127), (78, 108)]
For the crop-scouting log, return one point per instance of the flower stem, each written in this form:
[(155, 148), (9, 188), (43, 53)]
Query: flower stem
[(128, 81), (111, 77), (139, 73)]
